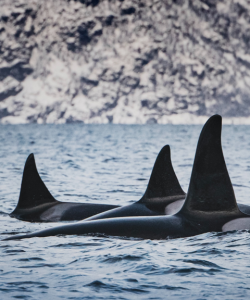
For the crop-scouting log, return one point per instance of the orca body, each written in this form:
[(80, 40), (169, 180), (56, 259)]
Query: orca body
[(210, 204), (163, 190), (36, 204)]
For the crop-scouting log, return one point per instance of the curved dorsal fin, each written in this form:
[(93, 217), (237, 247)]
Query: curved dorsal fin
[(163, 182), (210, 190), (33, 190)]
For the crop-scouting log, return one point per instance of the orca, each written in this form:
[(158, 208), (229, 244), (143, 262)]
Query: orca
[(36, 204), (162, 192), (210, 203)]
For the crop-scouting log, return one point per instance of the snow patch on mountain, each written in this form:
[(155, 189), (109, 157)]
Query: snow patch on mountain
[(96, 61)]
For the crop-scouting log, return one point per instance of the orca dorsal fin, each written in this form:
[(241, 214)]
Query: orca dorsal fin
[(210, 191), (33, 190), (163, 183)]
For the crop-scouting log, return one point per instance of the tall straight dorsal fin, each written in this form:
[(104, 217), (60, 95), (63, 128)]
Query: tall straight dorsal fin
[(163, 182), (210, 190), (33, 190)]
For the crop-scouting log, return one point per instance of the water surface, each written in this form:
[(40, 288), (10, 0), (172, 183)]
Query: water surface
[(112, 164)]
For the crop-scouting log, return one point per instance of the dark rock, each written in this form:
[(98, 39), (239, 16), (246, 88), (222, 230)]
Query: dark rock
[(87, 85), (97, 33), (89, 82), (72, 120), (84, 37), (244, 62), (109, 106), (4, 72), (72, 47), (151, 121), (130, 81), (4, 113), (15, 14), (110, 119), (10, 89), (5, 19), (222, 24), (21, 21), (210, 3), (110, 76), (18, 33), (128, 11), (29, 11), (144, 103), (19, 71), (139, 64), (32, 119), (89, 2), (109, 20), (246, 37), (162, 66)]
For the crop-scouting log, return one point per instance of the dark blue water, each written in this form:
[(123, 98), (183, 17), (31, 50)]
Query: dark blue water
[(112, 164)]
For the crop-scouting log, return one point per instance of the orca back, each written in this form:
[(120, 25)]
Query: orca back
[(163, 183), (210, 193), (33, 190)]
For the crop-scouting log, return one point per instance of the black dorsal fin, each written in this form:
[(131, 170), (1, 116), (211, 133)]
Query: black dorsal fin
[(210, 191), (163, 182), (33, 190)]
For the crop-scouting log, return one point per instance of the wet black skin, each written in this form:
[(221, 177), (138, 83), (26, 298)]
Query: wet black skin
[(156, 208), (138, 209), (74, 211)]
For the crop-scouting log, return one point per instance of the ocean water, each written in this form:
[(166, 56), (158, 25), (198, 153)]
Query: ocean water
[(112, 164)]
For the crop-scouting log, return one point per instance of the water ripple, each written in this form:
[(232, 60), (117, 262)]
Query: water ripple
[(112, 164)]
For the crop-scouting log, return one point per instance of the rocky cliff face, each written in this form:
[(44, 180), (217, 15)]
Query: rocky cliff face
[(147, 61)]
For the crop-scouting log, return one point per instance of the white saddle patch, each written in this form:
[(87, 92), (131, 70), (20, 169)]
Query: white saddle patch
[(55, 213), (237, 224), (174, 207)]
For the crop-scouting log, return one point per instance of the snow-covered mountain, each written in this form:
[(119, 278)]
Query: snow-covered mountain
[(144, 61)]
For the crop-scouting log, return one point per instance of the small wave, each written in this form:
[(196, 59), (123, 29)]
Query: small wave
[(186, 271), (206, 251), (17, 283), (30, 259), (3, 213), (98, 285), (115, 259), (163, 287), (15, 232), (185, 165), (42, 265), (114, 159), (203, 263), (77, 195), (173, 288), (13, 251), (241, 185), (77, 244), (132, 280), (117, 191)]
